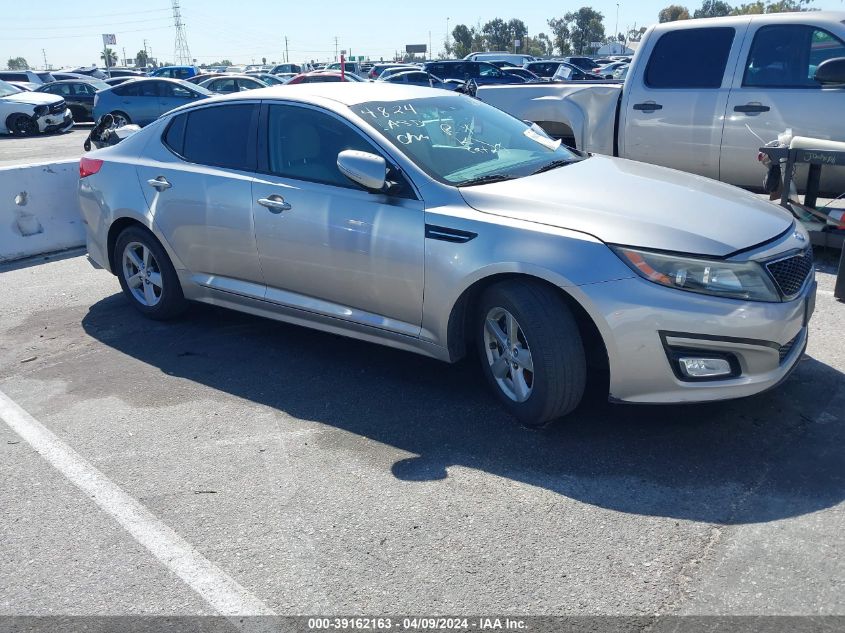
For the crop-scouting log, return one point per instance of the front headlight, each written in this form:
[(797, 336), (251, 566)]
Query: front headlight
[(745, 280), (41, 110)]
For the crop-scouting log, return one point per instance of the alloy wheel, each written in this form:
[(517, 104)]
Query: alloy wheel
[(142, 274), (508, 354)]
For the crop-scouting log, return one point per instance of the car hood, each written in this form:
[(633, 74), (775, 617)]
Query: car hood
[(33, 98), (634, 204)]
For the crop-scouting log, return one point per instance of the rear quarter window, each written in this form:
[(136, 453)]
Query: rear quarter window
[(219, 136), (690, 58)]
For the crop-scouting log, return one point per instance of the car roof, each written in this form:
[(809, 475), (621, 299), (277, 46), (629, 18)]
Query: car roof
[(331, 94)]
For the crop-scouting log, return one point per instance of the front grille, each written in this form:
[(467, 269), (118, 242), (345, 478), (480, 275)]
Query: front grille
[(790, 273), (784, 350), (58, 108)]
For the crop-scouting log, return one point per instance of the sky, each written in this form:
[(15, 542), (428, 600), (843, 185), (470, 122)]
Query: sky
[(245, 32)]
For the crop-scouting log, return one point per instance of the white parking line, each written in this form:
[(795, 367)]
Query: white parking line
[(213, 585)]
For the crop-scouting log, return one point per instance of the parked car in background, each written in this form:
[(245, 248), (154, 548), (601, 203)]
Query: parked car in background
[(349, 67), (584, 63), (116, 81), (377, 69), (237, 70), (78, 95), (544, 68), (58, 75), (568, 72), (421, 78), (27, 76), (175, 72), (515, 59), (142, 101), (606, 71), (286, 69), (267, 78), (90, 71), (434, 223), (621, 72), (122, 72), (198, 79), (322, 76), (25, 85), (24, 113), (701, 94), (524, 73), (387, 72), (483, 73), (228, 84)]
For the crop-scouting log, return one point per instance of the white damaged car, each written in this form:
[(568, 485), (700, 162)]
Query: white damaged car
[(23, 113)]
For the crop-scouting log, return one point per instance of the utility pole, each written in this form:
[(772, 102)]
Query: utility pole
[(616, 28), (335, 47), (447, 37), (44, 53), (124, 56), (429, 45), (287, 53)]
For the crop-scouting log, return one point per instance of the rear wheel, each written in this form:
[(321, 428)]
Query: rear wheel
[(21, 125), (79, 114), (531, 351), (121, 118), (147, 276)]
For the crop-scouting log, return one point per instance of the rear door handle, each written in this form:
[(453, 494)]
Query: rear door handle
[(752, 108), (275, 203), (648, 106), (159, 184)]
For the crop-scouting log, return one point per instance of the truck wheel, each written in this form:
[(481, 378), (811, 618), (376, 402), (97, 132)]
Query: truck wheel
[(21, 125), (147, 276), (531, 351)]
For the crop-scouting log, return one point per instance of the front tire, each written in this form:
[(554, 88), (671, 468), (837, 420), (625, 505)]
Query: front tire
[(21, 125), (147, 276), (530, 350)]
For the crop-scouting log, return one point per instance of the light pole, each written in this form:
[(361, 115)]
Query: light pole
[(447, 35), (616, 26)]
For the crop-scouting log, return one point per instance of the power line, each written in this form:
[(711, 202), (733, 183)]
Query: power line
[(103, 24), (66, 37), (83, 17)]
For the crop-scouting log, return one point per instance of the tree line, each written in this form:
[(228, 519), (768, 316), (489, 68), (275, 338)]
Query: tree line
[(577, 31)]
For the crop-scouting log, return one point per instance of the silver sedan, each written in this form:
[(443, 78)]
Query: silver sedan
[(434, 223)]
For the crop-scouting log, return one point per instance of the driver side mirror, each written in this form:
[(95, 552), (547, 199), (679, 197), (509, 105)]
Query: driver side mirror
[(363, 168), (831, 71)]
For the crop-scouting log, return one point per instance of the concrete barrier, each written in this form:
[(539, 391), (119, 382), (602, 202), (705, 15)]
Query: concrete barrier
[(39, 210)]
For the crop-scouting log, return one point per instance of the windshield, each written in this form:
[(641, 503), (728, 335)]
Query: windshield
[(461, 141), (8, 89)]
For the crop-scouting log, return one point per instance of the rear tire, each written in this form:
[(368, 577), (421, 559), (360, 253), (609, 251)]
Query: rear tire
[(530, 350), (121, 118), (147, 276)]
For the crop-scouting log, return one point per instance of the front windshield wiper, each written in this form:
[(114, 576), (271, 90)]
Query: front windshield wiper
[(554, 165), (483, 180)]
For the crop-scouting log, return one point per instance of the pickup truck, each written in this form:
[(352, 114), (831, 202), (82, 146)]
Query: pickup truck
[(702, 96)]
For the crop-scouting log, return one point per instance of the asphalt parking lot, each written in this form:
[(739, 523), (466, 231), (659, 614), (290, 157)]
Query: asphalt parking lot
[(323, 475), (39, 149)]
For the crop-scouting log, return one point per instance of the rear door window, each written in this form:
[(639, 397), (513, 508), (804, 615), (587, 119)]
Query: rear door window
[(218, 136), (690, 58), (788, 55)]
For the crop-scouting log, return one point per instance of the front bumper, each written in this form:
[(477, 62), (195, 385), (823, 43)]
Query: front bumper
[(55, 122), (644, 324)]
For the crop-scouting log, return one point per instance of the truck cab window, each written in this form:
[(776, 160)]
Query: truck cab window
[(787, 56), (690, 58)]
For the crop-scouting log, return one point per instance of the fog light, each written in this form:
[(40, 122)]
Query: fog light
[(705, 367)]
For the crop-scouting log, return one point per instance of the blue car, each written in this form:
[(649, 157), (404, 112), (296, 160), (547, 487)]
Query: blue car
[(421, 78), (142, 101), (176, 72)]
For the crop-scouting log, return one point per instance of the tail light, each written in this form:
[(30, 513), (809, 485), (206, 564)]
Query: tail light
[(89, 166)]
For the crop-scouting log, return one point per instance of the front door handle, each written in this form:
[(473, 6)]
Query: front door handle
[(752, 108), (159, 184), (275, 203), (648, 106)]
